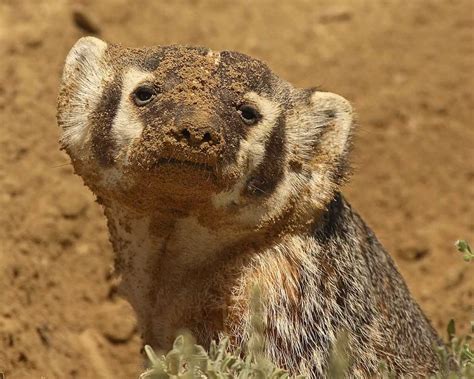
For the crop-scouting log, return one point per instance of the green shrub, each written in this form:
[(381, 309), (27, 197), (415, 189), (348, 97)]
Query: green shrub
[(464, 248)]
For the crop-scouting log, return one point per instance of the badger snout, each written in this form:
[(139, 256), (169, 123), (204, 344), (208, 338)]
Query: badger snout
[(176, 131), (195, 137)]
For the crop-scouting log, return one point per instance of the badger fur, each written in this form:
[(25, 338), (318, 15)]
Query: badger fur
[(216, 175)]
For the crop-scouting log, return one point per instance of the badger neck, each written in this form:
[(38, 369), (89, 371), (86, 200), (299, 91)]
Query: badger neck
[(165, 260)]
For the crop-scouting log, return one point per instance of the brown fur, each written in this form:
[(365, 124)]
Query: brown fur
[(201, 206)]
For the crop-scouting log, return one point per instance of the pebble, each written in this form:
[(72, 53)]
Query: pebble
[(85, 21), (335, 14), (116, 321), (72, 206)]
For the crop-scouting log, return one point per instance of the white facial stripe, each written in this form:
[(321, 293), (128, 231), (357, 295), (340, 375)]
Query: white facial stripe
[(127, 126), (86, 75), (252, 149)]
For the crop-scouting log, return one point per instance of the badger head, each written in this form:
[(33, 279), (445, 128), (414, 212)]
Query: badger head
[(187, 128)]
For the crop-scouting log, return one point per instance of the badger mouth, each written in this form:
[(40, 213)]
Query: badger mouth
[(175, 165), (170, 169), (199, 166)]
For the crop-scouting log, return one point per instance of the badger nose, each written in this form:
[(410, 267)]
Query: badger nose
[(197, 136)]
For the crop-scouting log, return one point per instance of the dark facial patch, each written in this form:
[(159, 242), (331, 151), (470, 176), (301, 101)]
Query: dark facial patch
[(234, 130), (151, 60), (244, 74), (269, 172), (101, 121)]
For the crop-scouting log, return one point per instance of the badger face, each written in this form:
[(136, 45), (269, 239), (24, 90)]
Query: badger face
[(184, 126)]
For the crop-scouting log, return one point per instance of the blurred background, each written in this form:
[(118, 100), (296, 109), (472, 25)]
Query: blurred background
[(407, 66)]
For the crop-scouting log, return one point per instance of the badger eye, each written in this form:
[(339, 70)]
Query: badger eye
[(249, 114), (143, 95)]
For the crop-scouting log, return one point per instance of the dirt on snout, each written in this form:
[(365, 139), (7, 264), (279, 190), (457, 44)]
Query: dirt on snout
[(407, 66)]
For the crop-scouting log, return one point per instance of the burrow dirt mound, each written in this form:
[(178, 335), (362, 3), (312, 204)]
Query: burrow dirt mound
[(407, 67)]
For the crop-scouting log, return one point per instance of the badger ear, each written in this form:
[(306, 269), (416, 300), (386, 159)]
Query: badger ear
[(87, 51), (324, 128), (81, 88), (334, 116)]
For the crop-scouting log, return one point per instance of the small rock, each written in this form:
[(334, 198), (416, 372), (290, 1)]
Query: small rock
[(116, 321), (83, 249), (85, 21), (454, 278), (34, 41), (72, 206), (335, 14), (43, 333), (413, 251)]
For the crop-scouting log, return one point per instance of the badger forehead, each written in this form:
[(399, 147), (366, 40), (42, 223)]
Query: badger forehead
[(200, 68)]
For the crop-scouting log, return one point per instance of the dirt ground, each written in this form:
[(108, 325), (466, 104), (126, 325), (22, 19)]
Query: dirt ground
[(406, 65)]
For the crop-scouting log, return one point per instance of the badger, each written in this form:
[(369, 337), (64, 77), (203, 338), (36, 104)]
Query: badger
[(215, 176)]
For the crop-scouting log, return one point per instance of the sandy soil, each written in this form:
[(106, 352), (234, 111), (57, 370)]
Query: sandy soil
[(406, 65)]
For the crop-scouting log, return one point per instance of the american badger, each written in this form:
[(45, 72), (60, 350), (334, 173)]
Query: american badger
[(216, 175)]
